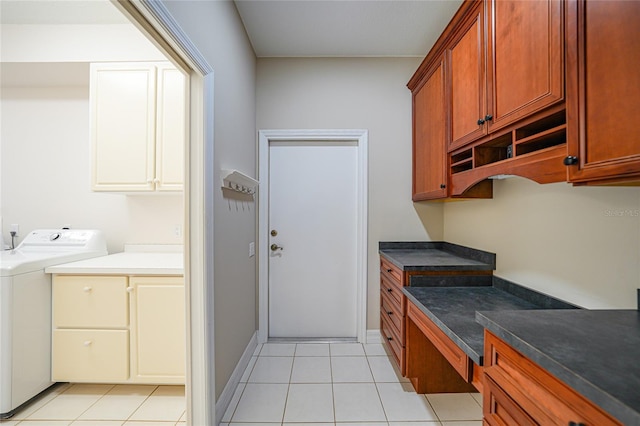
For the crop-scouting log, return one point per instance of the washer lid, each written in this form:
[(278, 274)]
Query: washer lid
[(58, 240), (47, 247)]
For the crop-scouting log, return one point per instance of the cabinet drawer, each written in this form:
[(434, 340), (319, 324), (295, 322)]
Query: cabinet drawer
[(392, 271), (392, 289), (90, 302), (456, 357), (539, 393), (500, 410), (90, 355), (392, 341), (391, 310)]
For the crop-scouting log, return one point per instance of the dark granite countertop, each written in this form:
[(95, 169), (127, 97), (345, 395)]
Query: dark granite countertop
[(436, 256), (453, 309), (595, 352)]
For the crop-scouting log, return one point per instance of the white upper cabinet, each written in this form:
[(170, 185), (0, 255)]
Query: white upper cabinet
[(138, 127)]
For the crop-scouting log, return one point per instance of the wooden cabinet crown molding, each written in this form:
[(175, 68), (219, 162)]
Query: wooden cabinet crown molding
[(439, 46)]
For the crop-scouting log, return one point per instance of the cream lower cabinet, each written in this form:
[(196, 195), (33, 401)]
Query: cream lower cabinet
[(157, 329), (118, 329)]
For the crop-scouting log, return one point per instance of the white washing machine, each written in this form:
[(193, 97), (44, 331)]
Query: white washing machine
[(25, 308)]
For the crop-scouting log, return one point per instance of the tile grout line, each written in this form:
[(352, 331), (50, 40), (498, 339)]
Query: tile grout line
[(96, 401), (375, 383), (141, 404), (286, 399)]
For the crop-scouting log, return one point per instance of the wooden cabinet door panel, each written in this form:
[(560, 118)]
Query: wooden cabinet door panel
[(526, 57), (429, 125), (467, 82), (604, 106)]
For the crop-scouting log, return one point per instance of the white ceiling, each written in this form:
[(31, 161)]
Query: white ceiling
[(318, 28), (286, 28), (52, 12)]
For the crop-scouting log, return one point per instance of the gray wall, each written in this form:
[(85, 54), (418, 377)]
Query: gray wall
[(357, 93), (216, 30)]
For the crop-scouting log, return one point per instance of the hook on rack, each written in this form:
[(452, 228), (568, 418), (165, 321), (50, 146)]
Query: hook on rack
[(239, 182)]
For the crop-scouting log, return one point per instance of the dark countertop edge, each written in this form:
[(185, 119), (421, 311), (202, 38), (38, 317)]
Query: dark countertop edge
[(597, 396), (461, 251), (475, 357), (409, 245)]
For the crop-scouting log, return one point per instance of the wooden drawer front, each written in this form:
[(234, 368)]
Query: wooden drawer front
[(393, 313), (392, 289), (539, 393), (456, 357), (392, 271), (393, 341), (90, 302), (500, 410), (90, 355)]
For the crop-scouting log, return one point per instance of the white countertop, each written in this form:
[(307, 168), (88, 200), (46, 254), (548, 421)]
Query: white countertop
[(125, 263)]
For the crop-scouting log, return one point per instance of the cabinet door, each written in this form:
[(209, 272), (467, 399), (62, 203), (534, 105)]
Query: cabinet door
[(429, 128), (526, 58), (123, 126), (171, 128), (467, 77), (158, 343), (604, 89)]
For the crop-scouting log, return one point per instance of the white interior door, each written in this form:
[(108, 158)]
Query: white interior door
[(313, 239)]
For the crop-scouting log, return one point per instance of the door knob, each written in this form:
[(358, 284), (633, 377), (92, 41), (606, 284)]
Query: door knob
[(274, 232), (275, 247)]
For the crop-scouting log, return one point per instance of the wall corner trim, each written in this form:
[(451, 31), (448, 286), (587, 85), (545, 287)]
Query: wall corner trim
[(222, 404), (374, 336)]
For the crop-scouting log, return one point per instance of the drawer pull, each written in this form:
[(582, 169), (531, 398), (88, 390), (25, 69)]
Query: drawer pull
[(389, 338), (87, 343), (87, 289), (129, 289), (389, 290), (389, 270), (576, 424), (390, 313)]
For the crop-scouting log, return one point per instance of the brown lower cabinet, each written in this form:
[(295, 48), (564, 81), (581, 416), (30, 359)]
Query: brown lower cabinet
[(393, 310), (519, 392)]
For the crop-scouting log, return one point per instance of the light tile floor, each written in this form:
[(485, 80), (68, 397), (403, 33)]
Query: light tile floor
[(312, 384), (322, 384), (105, 405)]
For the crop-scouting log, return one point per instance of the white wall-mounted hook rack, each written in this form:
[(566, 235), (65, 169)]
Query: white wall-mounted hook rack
[(239, 182)]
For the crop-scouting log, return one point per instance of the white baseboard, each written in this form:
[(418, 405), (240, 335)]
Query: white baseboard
[(227, 394), (374, 336)]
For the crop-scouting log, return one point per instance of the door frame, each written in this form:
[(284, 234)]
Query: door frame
[(265, 137), (154, 21)]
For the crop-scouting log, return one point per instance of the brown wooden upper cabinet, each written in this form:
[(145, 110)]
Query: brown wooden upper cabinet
[(503, 99), (467, 95), (429, 128), (603, 91), (505, 62)]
